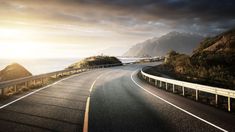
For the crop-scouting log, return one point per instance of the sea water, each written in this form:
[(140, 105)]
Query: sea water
[(39, 66)]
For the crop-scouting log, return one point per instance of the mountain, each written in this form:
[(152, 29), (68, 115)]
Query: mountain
[(180, 42), (211, 63), (13, 71), (95, 60)]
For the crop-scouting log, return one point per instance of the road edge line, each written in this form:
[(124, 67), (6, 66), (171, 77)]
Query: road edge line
[(93, 84), (185, 111), (22, 97)]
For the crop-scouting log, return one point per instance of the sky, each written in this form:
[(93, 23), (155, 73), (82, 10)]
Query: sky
[(81, 28)]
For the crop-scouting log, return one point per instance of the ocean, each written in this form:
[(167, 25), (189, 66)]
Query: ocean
[(40, 66)]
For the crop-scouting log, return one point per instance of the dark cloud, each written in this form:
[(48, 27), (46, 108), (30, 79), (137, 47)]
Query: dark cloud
[(140, 16), (204, 9), (203, 16)]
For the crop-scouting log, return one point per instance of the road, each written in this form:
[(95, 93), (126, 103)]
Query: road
[(119, 102)]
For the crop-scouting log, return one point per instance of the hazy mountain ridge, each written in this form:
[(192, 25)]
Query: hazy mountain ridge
[(13, 71), (180, 42)]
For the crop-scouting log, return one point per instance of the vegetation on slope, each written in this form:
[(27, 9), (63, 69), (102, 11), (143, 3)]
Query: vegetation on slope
[(96, 60), (212, 63), (13, 71)]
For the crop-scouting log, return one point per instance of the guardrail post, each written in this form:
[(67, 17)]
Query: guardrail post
[(42, 81), (160, 83), (34, 82), (229, 104), (166, 86), (173, 88), (26, 84), (15, 88), (183, 90), (149, 79), (196, 94), (155, 82), (216, 99), (1, 92)]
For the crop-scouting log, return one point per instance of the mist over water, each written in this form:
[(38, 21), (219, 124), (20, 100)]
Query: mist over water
[(39, 66)]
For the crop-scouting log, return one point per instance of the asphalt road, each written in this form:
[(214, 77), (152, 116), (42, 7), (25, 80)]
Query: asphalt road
[(59, 107), (118, 103)]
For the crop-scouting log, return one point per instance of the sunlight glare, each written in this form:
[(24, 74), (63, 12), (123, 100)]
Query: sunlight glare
[(17, 43), (20, 50)]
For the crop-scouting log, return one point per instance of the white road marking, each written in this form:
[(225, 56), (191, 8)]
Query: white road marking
[(95, 82), (5, 105), (187, 112)]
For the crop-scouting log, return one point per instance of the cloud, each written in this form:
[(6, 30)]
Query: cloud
[(129, 17)]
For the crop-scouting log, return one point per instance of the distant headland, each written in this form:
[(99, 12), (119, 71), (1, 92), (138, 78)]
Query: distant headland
[(96, 60)]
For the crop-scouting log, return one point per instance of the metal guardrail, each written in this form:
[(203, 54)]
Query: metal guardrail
[(14, 86), (17, 85), (197, 87)]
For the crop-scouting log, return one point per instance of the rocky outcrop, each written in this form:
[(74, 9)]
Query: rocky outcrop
[(13, 71), (95, 60)]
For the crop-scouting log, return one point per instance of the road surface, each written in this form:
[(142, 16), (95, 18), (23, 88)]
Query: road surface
[(118, 102)]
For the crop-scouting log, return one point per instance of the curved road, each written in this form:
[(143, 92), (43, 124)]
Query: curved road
[(119, 102)]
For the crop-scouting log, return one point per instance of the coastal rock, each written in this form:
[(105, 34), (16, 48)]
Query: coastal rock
[(95, 61), (13, 71)]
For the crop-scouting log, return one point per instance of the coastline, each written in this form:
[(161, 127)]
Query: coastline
[(40, 66)]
